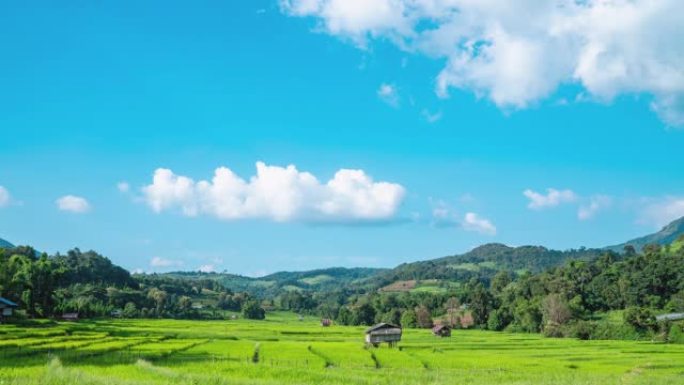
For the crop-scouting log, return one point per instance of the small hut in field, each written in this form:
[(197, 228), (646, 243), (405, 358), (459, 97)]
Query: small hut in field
[(6, 308), (325, 322), (383, 332), (442, 331)]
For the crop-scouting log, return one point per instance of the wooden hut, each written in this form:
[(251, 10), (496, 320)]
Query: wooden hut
[(6, 308), (442, 331), (325, 322), (383, 332)]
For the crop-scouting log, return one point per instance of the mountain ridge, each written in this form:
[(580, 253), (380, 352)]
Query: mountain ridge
[(5, 244), (667, 235)]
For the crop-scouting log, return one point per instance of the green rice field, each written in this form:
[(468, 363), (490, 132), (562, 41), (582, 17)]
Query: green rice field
[(284, 350)]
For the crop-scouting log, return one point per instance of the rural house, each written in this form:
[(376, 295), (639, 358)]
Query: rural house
[(383, 332), (325, 322), (442, 331), (6, 308)]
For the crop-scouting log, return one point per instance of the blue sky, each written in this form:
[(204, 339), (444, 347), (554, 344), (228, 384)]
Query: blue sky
[(95, 97)]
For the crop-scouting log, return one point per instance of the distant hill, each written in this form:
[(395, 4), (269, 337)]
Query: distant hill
[(5, 245), (666, 236), (483, 261), (312, 280)]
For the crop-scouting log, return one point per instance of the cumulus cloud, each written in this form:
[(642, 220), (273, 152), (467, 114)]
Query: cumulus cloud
[(164, 262), (593, 206), (516, 53), (276, 193), (444, 216), (473, 222), (73, 204), (4, 197), (660, 212), (552, 198), (388, 94)]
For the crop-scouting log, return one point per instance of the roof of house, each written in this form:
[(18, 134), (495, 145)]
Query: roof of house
[(8, 302), (670, 317), (382, 325), (439, 328)]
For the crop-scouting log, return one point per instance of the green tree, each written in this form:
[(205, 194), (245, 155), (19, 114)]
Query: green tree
[(408, 319), (252, 310)]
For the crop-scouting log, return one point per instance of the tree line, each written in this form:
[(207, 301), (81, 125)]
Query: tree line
[(89, 284)]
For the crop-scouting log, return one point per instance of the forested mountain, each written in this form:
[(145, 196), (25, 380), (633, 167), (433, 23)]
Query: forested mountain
[(665, 236), (273, 284), (482, 262)]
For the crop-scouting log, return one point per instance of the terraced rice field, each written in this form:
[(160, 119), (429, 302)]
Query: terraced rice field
[(283, 350)]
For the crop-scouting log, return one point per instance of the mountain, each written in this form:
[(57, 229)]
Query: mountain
[(272, 284), (483, 261), (666, 236), (5, 245)]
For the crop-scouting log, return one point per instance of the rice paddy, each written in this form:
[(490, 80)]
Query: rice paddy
[(284, 350)]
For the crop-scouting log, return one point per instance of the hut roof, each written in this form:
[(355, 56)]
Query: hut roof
[(670, 317), (7, 302), (439, 328), (381, 326)]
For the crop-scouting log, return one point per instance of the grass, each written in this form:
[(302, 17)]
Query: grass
[(284, 350)]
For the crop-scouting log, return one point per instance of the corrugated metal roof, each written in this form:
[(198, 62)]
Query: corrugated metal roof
[(670, 317), (382, 325), (8, 302)]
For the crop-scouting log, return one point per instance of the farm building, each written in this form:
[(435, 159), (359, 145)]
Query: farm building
[(6, 308), (442, 331), (70, 316), (325, 322), (383, 332)]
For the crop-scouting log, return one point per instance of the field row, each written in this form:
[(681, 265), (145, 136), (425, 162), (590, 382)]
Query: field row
[(179, 352)]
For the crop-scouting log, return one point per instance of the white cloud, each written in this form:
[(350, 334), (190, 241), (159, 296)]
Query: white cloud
[(595, 204), (388, 94), (208, 268), (444, 216), (552, 198), (473, 222), (277, 193), (123, 187), (431, 117), (4, 197), (164, 262), (660, 212), (74, 204), (516, 53)]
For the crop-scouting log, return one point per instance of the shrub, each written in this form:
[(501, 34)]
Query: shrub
[(676, 334), (640, 318), (581, 330)]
